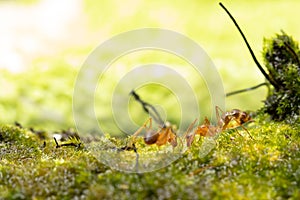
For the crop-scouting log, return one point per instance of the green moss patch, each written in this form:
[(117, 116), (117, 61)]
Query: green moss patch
[(237, 168)]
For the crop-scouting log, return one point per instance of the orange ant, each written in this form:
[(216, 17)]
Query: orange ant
[(233, 119), (227, 120), (160, 137)]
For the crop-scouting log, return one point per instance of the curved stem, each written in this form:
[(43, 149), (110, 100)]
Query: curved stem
[(250, 50), (147, 107), (246, 89)]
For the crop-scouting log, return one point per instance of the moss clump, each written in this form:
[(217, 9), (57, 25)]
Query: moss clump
[(237, 168), (29, 169), (281, 56)]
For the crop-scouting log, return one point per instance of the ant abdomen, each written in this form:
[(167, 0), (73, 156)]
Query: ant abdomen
[(151, 137)]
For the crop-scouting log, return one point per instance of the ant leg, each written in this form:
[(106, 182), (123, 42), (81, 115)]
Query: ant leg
[(142, 127), (225, 122), (190, 127), (190, 138), (131, 143), (220, 121), (172, 138), (244, 129), (180, 140), (238, 132), (247, 132)]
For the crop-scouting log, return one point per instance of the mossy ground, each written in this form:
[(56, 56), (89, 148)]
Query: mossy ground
[(237, 168)]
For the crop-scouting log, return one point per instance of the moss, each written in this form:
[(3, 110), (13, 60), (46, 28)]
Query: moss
[(237, 168), (281, 56)]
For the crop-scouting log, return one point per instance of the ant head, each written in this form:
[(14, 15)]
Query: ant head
[(173, 140), (245, 117)]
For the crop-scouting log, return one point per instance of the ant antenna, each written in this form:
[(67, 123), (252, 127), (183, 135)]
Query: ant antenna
[(249, 48), (147, 107)]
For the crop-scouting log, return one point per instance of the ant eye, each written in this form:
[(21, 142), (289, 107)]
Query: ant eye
[(243, 115), (237, 114)]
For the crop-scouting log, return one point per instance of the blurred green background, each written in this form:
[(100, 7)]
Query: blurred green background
[(44, 43)]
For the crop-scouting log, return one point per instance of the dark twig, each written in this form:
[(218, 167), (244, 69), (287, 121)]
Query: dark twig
[(246, 89), (57, 145), (132, 148), (128, 148), (44, 144), (41, 134), (269, 78), (18, 124), (147, 107), (291, 50), (66, 144), (71, 144)]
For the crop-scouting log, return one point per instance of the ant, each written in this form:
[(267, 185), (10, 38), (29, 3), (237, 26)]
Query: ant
[(225, 121), (160, 137), (163, 135), (233, 119)]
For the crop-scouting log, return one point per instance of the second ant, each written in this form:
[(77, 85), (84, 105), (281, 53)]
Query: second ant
[(225, 121)]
